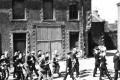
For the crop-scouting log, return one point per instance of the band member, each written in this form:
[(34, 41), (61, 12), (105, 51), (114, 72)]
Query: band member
[(7, 61), (39, 53), (34, 62), (14, 64), (29, 67), (47, 62), (56, 66), (69, 67), (19, 66), (2, 65), (31, 61), (43, 71), (103, 67), (116, 60), (97, 61), (75, 62)]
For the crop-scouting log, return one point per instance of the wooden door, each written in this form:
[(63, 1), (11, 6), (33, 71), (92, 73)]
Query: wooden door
[(56, 46), (44, 46), (49, 39)]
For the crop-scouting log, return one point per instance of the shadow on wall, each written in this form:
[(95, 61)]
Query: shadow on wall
[(109, 42)]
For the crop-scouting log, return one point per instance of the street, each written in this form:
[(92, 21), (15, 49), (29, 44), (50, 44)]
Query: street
[(86, 69)]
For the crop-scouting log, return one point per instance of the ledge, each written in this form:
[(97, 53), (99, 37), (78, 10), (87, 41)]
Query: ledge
[(21, 20), (43, 24), (49, 20), (74, 20)]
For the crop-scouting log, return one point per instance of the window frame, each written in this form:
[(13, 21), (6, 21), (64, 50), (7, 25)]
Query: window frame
[(78, 12), (53, 18), (25, 14)]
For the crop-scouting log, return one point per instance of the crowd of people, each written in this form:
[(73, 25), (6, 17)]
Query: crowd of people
[(24, 65), (101, 64)]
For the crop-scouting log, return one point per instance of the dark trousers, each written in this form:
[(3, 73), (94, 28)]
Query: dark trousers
[(7, 73), (20, 75), (56, 68), (116, 75), (14, 71), (104, 71), (76, 68), (71, 75), (95, 69), (34, 68)]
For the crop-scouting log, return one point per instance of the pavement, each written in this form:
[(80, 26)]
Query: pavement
[(86, 69), (87, 66)]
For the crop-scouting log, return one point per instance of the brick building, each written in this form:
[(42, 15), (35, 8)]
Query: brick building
[(47, 25)]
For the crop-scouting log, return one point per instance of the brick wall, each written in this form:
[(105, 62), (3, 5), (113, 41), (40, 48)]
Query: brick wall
[(35, 13)]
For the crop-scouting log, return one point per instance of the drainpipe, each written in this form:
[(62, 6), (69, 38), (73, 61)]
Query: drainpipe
[(118, 28)]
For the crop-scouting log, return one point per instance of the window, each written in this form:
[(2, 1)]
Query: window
[(18, 9), (48, 9), (73, 11)]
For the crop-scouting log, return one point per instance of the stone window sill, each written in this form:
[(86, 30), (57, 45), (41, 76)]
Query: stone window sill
[(49, 20), (73, 20), (19, 20)]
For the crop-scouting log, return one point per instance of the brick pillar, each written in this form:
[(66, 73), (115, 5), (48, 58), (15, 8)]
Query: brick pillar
[(118, 28), (88, 26)]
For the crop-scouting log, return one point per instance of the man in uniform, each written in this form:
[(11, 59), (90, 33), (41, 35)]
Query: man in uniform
[(2, 61), (7, 60), (29, 67), (14, 64), (20, 66), (34, 62), (31, 60), (47, 60), (75, 61), (43, 71), (97, 61), (56, 66), (103, 66), (116, 60), (69, 67), (39, 53)]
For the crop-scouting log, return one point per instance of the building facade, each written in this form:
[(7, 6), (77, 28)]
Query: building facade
[(47, 25)]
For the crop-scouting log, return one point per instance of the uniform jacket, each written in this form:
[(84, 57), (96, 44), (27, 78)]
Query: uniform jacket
[(76, 59), (43, 66), (31, 62), (18, 62), (69, 64), (103, 62), (116, 61), (14, 60), (97, 59)]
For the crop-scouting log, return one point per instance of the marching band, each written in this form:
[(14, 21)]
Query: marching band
[(24, 70)]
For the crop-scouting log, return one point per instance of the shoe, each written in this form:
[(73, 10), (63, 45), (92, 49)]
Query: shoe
[(94, 76), (59, 74)]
